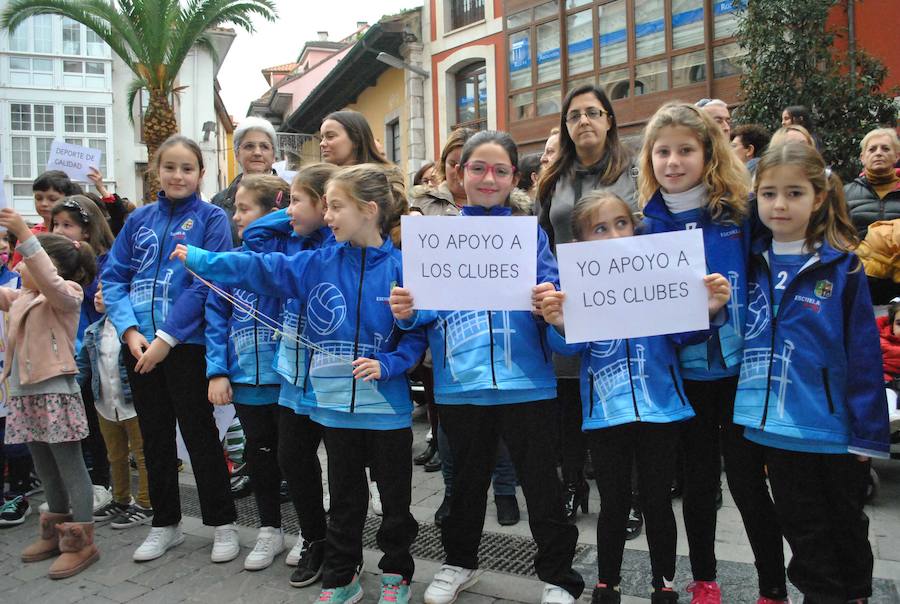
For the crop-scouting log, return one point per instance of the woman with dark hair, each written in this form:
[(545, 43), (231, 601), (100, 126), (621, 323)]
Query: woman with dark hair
[(800, 115), (590, 157), (347, 140)]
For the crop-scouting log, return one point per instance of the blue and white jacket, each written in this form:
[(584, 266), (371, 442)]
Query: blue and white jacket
[(89, 314), (345, 290), (630, 380), (274, 233), (143, 288), (727, 249), (491, 357), (241, 346), (811, 377)]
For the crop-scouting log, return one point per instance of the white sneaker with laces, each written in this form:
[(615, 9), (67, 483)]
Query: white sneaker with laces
[(376, 498), (159, 539), (554, 594), (269, 543), (448, 582), (226, 546), (102, 497), (326, 501), (293, 556)]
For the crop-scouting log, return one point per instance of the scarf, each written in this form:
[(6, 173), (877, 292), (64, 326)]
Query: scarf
[(883, 183)]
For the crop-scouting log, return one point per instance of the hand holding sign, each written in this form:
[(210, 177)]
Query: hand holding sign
[(76, 161)]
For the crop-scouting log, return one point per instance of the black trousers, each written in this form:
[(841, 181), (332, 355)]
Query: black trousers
[(705, 438), (572, 441), (176, 389), (389, 455), (93, 443), (473, 432), (298, 458), (260, 424), (652, 448), (819, 498)]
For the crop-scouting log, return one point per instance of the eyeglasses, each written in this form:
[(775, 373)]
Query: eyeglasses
[(251, 147), (480, 169), (71, 204), (592, 113)]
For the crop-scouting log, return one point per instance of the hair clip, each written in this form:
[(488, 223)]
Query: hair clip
[(71, 204), (77, 244), (827, 173)]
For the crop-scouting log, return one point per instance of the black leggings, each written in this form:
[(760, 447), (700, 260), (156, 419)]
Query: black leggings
[(298, 458)]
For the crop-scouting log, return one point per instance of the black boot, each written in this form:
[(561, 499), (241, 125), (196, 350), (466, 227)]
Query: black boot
[(604, 594), (443, 511), (422, 458), (576, 494), (433, 464)]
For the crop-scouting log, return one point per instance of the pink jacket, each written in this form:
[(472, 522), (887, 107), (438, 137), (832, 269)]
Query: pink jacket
[(42, 324)]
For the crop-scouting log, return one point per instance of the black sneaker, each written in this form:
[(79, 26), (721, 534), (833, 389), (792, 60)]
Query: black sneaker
[(634, 525), (507, 509), (309, 567), (109, 511), (34, 486), (13, 512), (134, 515), (604, 594), (442, 512)]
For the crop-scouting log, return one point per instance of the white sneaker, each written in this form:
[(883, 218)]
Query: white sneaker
[(554, 594), (226, 546), (293, 556), (159, 539), (269, 543), (102, 497), (448, 582), (326, 501), (376, 498)]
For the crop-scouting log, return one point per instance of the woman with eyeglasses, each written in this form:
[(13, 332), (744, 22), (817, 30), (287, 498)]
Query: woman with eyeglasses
[(590, 158), (254, 151)]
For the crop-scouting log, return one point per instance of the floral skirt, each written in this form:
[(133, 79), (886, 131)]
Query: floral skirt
[(46, 418)]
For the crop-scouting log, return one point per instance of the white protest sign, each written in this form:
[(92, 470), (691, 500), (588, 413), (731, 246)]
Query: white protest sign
[(634, 286), (76, 161), (282, 171), (470, 262)]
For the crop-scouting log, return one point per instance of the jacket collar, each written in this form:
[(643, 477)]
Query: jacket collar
[(373, 254), (177, 205), (824, 254), (482, 211), (656, 208)]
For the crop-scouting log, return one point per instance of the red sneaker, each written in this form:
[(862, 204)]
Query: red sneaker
[(765, 600), (705, 592)]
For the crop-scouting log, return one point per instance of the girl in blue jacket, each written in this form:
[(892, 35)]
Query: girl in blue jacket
[(811, 390), (357, 368), (157, 308), (239, 354), (496, 382), (690, 178), (301, 226), (632, 405)]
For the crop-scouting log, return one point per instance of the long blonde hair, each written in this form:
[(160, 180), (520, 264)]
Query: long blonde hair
[(830, 221), (383, 184), (723, 173)]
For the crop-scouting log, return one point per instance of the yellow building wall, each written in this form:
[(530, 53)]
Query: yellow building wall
[(386, 97), (229, 157)]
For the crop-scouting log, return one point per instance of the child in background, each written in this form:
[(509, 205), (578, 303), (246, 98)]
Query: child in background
[(15, 462), (690, 178), (357, 369), (101, 365), (639, 422), (48, 188), (240, 348), (889, 330), (811, 392), (45, 406), (157, 308), (300, 226), (495, 391)]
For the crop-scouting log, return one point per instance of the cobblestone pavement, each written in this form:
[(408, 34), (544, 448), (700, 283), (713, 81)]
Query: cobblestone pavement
[(185, 574)]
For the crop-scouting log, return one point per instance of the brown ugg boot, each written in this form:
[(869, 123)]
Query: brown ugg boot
[(76, 542), (47, 544)]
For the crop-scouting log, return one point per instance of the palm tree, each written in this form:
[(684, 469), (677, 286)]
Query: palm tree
[(152, 37)]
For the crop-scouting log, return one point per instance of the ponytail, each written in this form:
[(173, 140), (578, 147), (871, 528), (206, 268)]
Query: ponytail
[(74, 260), (383, 184)]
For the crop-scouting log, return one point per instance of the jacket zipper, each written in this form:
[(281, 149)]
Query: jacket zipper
[(675, 384), (158, 266), (444, 321), (591, 404), (543, 346), (491, 333), (637, 413), (256, 348), (53, 344), (362, 273), (827, 390)]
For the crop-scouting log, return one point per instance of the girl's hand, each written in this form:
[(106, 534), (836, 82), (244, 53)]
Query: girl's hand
[(719, 291), (538, 293), (153, 356), (12, 221), (367, 369), (401, 303), (219, 391), (136, 342), (552, 308), (180, 253), (96, 177)]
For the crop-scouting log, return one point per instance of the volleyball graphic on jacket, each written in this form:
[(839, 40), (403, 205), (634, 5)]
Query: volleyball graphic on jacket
[(326, 308)]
